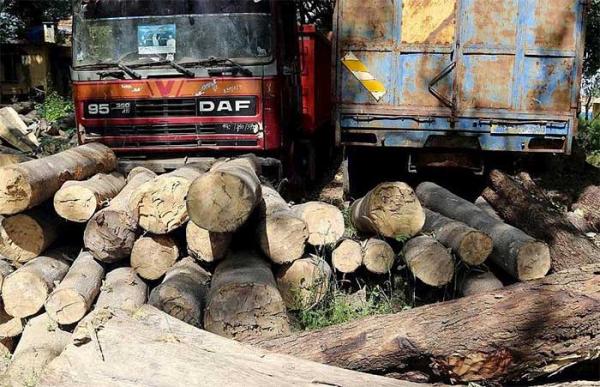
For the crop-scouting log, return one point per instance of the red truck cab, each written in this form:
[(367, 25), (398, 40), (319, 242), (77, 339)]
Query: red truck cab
[(196, 77)]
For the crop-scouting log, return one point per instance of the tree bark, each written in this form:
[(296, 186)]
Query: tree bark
[(515, 334), (160, 203), (391, 210), (429, 261), (182, 294), (478, 283), (539, 218), (28, 184), (182, 355), (5, 269), (472, 246), (223, 199), (517, 253), (14, 131), (282, 235), (74, 296), (347, 257), (325, 223), (122, 289), (27, 288), (206, 246), (27, 235), (304, 283), (78, 201), (588, 208), (42, 341), (378, 256), (244, 301), (111, 233), (153, 255)]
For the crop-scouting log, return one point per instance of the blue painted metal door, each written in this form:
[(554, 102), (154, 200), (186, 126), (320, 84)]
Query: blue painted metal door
[(504, 74)]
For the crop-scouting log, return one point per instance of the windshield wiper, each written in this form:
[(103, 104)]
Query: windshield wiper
[(176, 66), (104, 65), (214, 61)]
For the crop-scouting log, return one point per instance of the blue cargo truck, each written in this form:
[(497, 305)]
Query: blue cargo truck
[(449, 78)]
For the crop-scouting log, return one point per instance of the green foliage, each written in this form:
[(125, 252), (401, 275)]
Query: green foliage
[(350, 231), (589, 135), (591, 64), (340, 307), (55, 107)]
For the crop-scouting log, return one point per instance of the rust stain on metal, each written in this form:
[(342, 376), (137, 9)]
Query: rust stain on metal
[(555, 25), (428, 21), (491, 83), (372, 21), (494, 23), (477, 366)]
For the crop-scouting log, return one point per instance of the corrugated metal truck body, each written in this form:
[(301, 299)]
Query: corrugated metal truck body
[(475, 74)]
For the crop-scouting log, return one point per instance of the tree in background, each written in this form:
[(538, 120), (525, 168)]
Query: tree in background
[(17, 15), (318, 12)]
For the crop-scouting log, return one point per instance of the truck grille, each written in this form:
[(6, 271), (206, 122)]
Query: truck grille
[(172, 107), (172, 129)]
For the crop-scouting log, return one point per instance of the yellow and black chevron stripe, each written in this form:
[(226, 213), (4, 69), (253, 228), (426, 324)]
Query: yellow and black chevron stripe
[(361, 72)]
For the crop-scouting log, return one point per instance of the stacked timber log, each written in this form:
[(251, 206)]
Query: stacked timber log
[(215, 246)]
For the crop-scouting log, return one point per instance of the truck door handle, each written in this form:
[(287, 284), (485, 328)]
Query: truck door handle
[(443, 74)]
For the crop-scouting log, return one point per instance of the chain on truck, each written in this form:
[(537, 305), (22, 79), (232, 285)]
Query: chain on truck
[(177, 79)]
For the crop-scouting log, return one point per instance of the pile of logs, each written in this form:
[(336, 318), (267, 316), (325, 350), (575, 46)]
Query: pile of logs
[(215, 246)]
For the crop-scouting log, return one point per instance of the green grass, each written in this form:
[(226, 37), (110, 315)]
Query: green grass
[(594, 158), (340, 307), (54, 107)]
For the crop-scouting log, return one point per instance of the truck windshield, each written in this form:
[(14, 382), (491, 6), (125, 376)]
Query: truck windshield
[(137, 31)]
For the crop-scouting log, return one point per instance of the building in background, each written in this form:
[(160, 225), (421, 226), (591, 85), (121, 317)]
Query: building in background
[(39, 61)]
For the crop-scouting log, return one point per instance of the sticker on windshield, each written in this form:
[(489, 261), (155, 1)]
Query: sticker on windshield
[(157, 39)]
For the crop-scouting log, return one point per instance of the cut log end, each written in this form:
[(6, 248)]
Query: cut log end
[(533, 261), (153, 255), (22, 238), (304, 283), (480, 283), (325, 222), (76, 204), (24, 294), (378, 256), (475, 248), (66, 306), (429, 261), (110, 235), (15, 191), (347, 257), (282, 237), (206, 246)]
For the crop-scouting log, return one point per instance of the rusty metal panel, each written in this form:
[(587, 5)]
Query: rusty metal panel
[(379, 65), (491, 23), (548, 84), (368, 23), (428, 21), (486, 81), (417, 72), (553, 25)]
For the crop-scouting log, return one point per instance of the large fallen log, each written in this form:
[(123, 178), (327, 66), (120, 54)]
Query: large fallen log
[(182, 294), (281, 234), (325, 223), (160, 203), (42, 341), (515, 334), (588, 209), (182, 355), (223, 199), (28, 184), (122, 289), (206, 246), (471, 246), (304, 282), (27, 235), (517, 253), (391, 210), (111, 233), (535, 214), (73, 297), (153, 255), (243, 301), (429, 261), (14, 131), (78, 201), (26, 289)]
